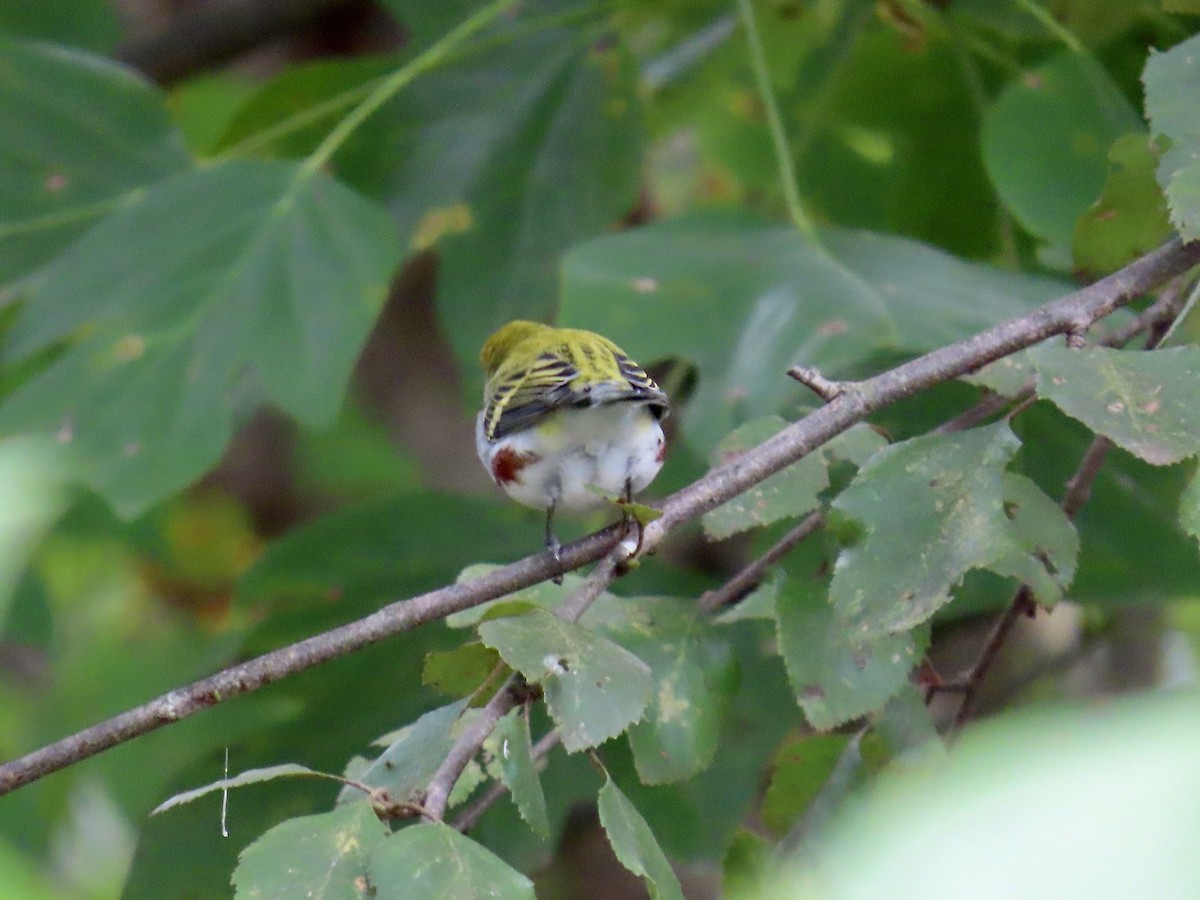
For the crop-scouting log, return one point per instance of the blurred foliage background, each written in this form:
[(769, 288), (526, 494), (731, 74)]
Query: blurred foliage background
[(249, 251)]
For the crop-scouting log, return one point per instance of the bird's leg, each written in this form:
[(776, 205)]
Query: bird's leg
[(627, 516), (553, 544)]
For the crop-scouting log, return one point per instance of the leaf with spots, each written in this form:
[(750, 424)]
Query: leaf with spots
[(934, 508), (323, 857), (435, 862), (1145, 403), (82, 134), (635, 845), (837, 672), (174, 326), (1172, 81), (677, 738), (412, 756), (594, 688), (518, 771), (772, 301)]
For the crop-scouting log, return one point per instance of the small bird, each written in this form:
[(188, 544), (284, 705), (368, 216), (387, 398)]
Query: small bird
[(568, 419)]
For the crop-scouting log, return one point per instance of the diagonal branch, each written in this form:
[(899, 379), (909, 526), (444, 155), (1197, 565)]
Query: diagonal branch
[(1071, 313)]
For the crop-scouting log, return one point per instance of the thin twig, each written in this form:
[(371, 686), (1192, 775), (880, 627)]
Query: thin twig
[(470, 816), (741, 584), (720, 484), (825, 388)]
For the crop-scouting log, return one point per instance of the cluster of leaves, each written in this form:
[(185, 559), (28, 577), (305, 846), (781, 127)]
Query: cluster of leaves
[(171, 262)]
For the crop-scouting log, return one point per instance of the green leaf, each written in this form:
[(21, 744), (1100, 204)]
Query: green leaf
[(412, 756), (81, 134), (545, 595), (1130, 218), (1048, 546), (435, 862), (773, 301), (800, 769), (594, 688), (677, 737), (758, 604), (388, 558), (518, 771), (836, 672), (483, 153), (322, 856), (933, 510), (790, 492), (1045, 140), (747, 867), (1189, 506), (634, 844), (461, 671), (1130, 768), (250, 776), (1172, 80), (266, 289), (90, 24), (32, 473), (1144, 402)]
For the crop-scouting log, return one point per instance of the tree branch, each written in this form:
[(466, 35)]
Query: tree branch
[(470, 817), (719, 485), (1156, 319), (741, 584), (506, 697)]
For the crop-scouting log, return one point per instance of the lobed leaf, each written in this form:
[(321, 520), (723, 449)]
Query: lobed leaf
[(173, 327)]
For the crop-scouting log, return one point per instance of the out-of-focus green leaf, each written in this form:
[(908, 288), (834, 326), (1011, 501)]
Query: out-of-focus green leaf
[(801, 767), (19, 875), (1189, 506), (518, 770), (388, 559), (746, 301), (1172, 80), (1115, 786), (677, 737), (1130, 218), (594, 688), (635, 845), (81, 134), (204, 106), (89, 24), (758, 604), (1144, 402), (435, 862), (413, 754), (176, 324), (1045, 140), (934, 508), (31, 482), (323, 856), (746, 869)]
